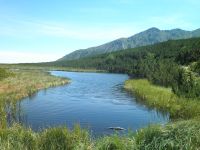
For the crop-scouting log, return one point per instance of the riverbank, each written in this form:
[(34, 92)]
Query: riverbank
[(48, 68), (179, 108), (164, 99), (180, 135), (22, 84)]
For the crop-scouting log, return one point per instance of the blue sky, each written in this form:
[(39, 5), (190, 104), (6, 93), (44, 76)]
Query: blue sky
[(45, 30)]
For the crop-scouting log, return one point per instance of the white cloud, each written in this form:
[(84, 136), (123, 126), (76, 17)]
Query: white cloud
[(29, 29), (25, 28)]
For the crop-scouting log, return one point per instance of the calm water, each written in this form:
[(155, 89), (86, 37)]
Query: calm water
[(94, 100)]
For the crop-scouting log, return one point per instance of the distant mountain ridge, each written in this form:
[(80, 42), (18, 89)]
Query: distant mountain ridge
[(147, 37)]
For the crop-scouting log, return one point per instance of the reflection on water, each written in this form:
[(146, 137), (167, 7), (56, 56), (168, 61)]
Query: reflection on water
[(94, 100)]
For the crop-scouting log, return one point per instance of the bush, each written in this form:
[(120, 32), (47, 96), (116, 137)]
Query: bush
[(187, 84), (17, 138), (4, 73), (196, 67), (115, 142), (184, 135), (62, 138)]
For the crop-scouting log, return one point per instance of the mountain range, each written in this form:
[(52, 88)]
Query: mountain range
[(147, 37)]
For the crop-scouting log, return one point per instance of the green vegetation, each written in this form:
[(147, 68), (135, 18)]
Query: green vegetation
[(187, 84), (183, 135), (22, 84), (18, 138), (37, 67), (129, 61), (25, 83), (162, 64), (175, 135), (4, 73), (196, 67), (164, 99)]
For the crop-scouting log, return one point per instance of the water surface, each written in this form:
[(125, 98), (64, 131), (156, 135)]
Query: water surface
[(94, 100)]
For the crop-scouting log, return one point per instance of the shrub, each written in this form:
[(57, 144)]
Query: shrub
[(184, 135), (115, 142)]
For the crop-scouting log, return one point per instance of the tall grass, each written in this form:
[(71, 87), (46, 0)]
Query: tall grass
[(22, 84), (164, 99), (182, 135), (115, 142), (19, 138), (4, 73), (32, 67), (62, 138)]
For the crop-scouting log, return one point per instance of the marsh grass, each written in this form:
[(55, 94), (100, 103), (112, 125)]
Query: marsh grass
[(32, 67), (60, 138), (164, 99), (23, 84), (4, 73), (184, 135), (115, 142)]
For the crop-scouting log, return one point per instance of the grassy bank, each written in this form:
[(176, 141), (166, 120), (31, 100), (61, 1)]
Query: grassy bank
[(164, 99), (183, 135), (48, 68), (25, 83), (22, 84)]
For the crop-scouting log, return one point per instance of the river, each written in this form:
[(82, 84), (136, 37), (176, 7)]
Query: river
[(96, 101)]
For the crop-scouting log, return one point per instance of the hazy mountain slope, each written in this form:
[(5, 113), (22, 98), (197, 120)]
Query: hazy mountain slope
[(148, 37)]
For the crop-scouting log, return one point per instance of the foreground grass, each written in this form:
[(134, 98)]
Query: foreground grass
[(22, 84), (184, 135), (164, 99)]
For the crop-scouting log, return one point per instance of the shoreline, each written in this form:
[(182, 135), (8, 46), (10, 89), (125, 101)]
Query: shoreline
[(163, 99), (23, 84)]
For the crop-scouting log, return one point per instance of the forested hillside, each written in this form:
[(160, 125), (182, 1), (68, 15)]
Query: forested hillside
[(147, 37), (171, 63)]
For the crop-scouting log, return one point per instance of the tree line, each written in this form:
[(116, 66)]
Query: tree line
[(167, 64)]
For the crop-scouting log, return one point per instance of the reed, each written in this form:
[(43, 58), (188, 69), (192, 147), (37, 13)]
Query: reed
[(183, 135), (164, 99), (22, 84)]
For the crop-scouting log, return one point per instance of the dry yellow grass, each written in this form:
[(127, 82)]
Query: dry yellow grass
[(23, 84)]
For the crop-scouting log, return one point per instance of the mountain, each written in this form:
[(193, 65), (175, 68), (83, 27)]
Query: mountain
[(148, 37)]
